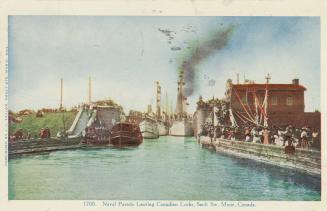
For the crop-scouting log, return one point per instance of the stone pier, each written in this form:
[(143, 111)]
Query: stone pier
[(307, 161)]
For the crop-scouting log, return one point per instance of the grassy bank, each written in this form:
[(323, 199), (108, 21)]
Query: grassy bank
[(33, 124)]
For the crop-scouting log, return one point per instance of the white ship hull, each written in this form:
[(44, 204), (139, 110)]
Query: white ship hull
[(181, 128), (163, 129), (149, 129)]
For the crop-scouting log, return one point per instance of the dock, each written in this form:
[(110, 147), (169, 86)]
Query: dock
[(304, 160), (33, 146)]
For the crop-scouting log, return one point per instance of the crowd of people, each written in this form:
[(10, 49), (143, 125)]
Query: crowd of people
[(21, 135), (305, 137)]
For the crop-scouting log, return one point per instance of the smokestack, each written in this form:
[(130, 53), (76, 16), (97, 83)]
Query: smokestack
[(61, 92), (90, 91), (296, 81)]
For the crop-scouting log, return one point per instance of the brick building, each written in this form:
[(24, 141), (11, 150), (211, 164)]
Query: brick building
[(285, 104)]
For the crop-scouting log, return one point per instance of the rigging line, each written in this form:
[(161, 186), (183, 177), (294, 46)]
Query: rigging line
[(260, 106), (243, 105), (255, 108), (248, 119), (232, 118), (247, 102), (244, 117), (266, 104), (241, 118)]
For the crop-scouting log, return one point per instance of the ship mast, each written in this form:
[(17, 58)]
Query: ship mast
[(166, 104), (158, 99), (266, 101), (181, 99)]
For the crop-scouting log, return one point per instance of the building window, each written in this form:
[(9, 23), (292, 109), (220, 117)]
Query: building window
[(274, 100), (289, 100)]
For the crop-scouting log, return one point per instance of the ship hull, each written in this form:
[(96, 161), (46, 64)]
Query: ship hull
[(122, 140), (125, 134), (181, 128), (163, 129), (96, 143), (149, 129)]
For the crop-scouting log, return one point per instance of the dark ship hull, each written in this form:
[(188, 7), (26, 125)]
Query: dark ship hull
[(125, 134)]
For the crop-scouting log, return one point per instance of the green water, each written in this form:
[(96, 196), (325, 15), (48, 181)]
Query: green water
[(166, 169)]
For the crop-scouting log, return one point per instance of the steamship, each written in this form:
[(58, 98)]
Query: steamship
[(182, 125), (148, 126), (161, 123), (162, 128), (125, 134)]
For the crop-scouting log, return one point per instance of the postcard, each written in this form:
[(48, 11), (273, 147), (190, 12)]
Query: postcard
[(149, 108)]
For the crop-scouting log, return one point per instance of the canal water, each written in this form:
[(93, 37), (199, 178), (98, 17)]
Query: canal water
[(169, 168)]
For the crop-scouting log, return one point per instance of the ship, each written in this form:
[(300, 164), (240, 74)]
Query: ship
[(162, 128), (96, 135), (97, 131), (149, 127), (161, 122), (182, 124), (125, 134)]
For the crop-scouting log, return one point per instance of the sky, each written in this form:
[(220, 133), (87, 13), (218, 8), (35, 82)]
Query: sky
[(125, 55)]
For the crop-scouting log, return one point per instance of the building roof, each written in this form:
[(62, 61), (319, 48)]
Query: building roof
[(279, 87)]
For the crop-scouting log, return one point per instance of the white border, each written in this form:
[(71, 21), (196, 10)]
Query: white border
[(158, 8)]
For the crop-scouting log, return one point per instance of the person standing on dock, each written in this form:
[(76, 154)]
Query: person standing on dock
[(304, 138), (255, 135), (288, 134), (315, 139), (247, 134), (266, 136), (297, 137), (261, 135), (211, 133)]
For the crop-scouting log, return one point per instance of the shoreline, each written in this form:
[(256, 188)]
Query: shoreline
[(305, 161)]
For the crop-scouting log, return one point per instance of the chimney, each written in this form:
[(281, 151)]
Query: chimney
[(295, 81)]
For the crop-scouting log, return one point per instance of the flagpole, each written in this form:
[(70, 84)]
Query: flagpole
[(266, 101)]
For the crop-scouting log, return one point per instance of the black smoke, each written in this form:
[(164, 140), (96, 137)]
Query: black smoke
[(200, 51)]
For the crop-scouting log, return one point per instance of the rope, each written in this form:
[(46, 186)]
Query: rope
[(260, 106), (240, 117), (243, 106), (247, 119), (247, 102)]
